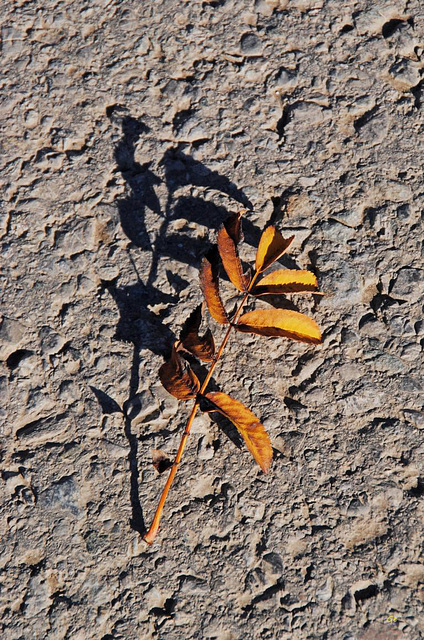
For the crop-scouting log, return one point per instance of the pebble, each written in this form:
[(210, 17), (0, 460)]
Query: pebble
[(408, 284), (143, 407), (62, 495), (11, 334), (250, 44), (414, 417), (51, 341)]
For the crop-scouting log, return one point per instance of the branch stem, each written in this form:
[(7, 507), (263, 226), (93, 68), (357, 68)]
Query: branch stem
[(150, 536)]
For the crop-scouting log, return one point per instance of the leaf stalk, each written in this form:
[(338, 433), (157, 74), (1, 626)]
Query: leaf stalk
[(150, 536)]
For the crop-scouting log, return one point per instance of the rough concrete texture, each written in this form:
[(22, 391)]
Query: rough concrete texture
[(130, 130)]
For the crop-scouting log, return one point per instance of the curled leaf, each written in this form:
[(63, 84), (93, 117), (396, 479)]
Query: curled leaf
[(209, 284), (177, 376), (249, 426), (286, 281), (271, 247), (160, 460), (280, 322), (228, 238), (203, 347)]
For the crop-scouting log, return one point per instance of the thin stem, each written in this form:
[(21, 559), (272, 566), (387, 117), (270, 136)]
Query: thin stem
[(151, 534)]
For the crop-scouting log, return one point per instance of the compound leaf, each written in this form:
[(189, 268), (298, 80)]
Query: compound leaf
[(280, 322), (177, 376), (271, 247), (249, 426), (209, 283), (203, 347), (228, 238), (286, 281)]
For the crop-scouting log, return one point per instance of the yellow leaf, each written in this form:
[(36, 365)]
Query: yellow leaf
[(286, 281), (280, 322), (209, 284), (249, 426), (272, 245), (178, 378), (228, 239)]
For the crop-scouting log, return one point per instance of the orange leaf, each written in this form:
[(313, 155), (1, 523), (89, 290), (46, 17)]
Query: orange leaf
[(249, 426), (280, 322), (228, 239), (272, 245), (286, 281), (201, 347), (178, 378), (209, 284)]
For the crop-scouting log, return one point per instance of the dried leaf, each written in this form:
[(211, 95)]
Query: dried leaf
[(178, 378), (286, 281), (280, 322), (271, 247), (228, 239), (249, 426), (160, 460), (209, 284), (203, 347)]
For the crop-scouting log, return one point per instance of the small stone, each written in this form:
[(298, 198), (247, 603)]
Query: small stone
[(31, 119), (62, 495), (205, 450), (408, 285), (275, 562), (326, 592), (73, 144), (266, 7), (414, 417), (144, 46), (51, 341), (371, 327), (411, 352), (250, 44), (143, 407), (32, 557), (249, 18), (350, 217), (389, 363), (11, 334), (287, 78), (361, 401), (203, 487), (404, 74)]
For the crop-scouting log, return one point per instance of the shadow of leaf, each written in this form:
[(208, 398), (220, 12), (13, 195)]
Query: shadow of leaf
[(108, 404)]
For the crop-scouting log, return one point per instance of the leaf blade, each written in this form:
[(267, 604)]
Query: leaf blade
[(178, 378), (286, 281), (203, 347), (271, 247), (280, 323), (228, 238), (160, 460), (250, 428), (209, 283)]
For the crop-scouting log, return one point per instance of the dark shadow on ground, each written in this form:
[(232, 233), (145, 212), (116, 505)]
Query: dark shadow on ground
[(137, 324)]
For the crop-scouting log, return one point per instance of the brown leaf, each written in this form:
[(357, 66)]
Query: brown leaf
[(228, 239), (178, 378), (249, 426), (286, 281), (209, 284), (203, 347), (280, 322), (160, 460), (271, 247)]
